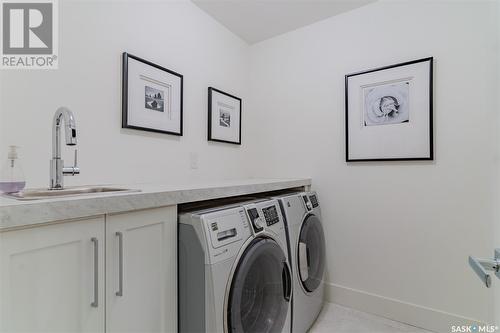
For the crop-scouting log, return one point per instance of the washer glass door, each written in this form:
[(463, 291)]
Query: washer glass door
[(311, 253), (260, 290)]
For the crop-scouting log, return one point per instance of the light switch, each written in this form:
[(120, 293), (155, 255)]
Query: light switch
[(193, 160)]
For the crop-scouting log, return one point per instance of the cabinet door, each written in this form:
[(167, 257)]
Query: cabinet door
[(141, 271), (52, 278)]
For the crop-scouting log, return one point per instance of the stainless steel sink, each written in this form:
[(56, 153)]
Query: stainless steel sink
[(38, 194)]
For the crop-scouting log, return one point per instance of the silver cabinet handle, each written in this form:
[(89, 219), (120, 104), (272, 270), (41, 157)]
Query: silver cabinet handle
[(95, 303), (120, 264)]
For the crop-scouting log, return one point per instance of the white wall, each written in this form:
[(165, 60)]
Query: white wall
[(398, 233), (93, 35), (497, 224)]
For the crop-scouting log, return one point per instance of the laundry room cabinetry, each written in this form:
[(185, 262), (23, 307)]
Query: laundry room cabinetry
[(141, 271), (52, 278), (111, 273)]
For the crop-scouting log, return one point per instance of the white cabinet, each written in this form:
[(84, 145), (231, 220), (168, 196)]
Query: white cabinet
[(64, 277), (141, 271), (49, 276)]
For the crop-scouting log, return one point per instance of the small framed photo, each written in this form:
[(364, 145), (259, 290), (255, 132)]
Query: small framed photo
[(151, 97), (388, 113), (224, 117)]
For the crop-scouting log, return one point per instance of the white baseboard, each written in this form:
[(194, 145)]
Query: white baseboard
[(412, 314)]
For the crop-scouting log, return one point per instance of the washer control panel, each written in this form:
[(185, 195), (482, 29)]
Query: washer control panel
[(265, 215), (271, 215), (255, 219)]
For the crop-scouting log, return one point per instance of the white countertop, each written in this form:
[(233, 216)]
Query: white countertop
[(16, 213)]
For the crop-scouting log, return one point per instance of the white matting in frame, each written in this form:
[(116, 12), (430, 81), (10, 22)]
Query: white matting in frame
[(152, 97), (224, 117), (389, 113)]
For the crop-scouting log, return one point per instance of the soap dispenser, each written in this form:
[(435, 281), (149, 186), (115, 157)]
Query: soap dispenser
[(12, 176)]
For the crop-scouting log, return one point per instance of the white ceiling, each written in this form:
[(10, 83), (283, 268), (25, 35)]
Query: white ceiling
[(257, 20)]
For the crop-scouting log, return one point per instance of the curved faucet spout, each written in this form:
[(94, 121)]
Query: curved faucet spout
[(57, 169), (63, 114)]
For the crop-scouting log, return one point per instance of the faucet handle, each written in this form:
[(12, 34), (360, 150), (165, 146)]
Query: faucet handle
[(73, 170)]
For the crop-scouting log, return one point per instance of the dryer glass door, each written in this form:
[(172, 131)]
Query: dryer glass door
[(311, 253), (260, 290)]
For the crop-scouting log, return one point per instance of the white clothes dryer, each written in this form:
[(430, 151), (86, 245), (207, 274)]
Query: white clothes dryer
[(307, 246)]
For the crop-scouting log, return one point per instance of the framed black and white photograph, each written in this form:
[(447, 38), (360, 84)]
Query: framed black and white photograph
[(224, 117), (388, 113), (151, 97)]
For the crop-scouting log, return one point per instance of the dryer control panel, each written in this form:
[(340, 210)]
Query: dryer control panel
[(307, 202), (314, 200), (310, 200)]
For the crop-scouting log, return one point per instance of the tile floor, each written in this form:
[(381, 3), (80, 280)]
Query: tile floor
[(339, 319)]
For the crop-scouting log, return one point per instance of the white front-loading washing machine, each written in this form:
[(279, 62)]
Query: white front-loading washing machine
[(234, 272), (307, 244)]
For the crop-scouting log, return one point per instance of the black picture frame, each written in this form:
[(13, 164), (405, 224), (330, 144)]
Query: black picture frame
[(431, 112), (210, 96), (125, 123)]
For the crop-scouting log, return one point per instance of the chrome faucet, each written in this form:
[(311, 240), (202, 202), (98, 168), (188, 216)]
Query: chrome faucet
[(57, 168)]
